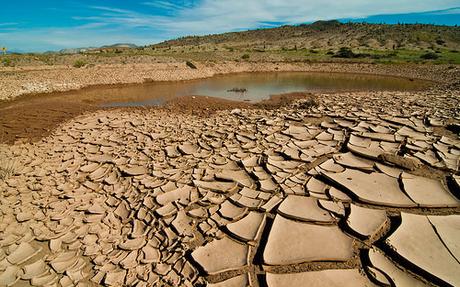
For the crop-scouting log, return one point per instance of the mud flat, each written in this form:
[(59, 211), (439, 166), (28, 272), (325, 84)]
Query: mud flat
[(151, 197)]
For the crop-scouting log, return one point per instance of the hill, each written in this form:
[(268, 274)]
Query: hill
[(331, 35)]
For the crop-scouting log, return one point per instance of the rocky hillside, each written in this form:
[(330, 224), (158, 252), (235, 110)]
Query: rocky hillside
[(331, 35)]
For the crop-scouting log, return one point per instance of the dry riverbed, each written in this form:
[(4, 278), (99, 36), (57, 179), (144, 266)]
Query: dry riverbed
[(342, 189)]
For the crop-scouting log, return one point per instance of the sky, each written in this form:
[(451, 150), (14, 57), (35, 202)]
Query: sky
[(38, 26)]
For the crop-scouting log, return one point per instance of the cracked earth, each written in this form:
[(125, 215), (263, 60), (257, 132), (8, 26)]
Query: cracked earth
[(359, 191)]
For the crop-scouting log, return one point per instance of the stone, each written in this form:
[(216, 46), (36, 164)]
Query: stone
[(221, 255), (248, 228), (291, 242), (305, 209)]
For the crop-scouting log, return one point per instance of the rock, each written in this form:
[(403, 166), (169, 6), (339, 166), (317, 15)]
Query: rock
[(236, 112)]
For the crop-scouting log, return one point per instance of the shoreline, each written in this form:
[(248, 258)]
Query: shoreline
[(19, 82)]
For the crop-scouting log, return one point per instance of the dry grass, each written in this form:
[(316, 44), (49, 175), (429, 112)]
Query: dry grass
[(7, 163), (7, 166)]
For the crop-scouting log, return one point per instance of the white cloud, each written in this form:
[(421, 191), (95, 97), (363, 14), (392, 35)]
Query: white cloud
[(162, 19), (213, 16)]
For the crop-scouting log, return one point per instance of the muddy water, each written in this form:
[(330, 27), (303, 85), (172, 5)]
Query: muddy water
[(32, 117), (253, 87)]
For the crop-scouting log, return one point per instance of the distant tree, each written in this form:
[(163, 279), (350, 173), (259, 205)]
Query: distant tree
[(4, 49)]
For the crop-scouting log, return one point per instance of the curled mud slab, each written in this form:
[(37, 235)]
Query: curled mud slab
[(152, 198)]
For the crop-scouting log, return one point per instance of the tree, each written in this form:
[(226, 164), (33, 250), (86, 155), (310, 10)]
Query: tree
[(4, 49)]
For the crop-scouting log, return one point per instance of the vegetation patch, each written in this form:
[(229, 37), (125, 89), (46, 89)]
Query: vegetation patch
[(79, 64), (430, 56)]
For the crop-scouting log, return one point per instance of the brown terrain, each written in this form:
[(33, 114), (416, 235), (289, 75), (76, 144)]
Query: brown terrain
[(346, 188)]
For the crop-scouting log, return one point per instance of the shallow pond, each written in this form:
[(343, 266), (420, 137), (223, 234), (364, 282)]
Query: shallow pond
[(253, 87)]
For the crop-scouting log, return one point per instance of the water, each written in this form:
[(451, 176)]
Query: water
[(257, 86)]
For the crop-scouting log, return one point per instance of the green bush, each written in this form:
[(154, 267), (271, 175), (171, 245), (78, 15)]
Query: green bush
[(79, 64), (430, 56), (245, 57), (345, 52), (7, 62)]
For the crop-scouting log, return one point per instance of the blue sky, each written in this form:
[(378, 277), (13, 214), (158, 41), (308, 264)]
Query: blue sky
[(30, 25)]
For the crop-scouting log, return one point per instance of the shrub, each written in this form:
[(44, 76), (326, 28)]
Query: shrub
[(245, 56), (307, 104), (79, 64), (7, 167), (430, 56), (440, 42), (191, 65), (345, 52), (7, 62)]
